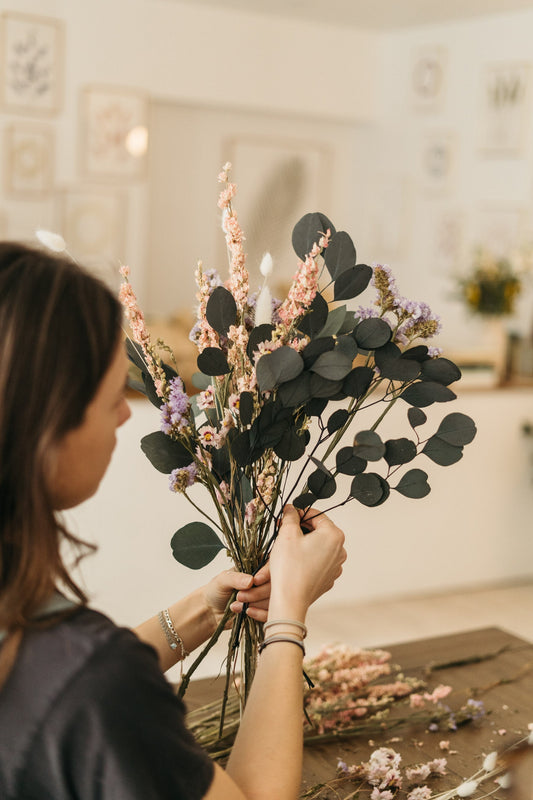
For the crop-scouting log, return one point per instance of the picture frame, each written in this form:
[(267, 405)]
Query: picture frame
[(505, 100), (437, 154), (31, 63), (113, 132), (92, 221), (29, 159), (427, 77), (279, 179)]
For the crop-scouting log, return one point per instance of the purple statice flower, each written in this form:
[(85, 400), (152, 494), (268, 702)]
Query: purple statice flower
[(366, 313), (417, 321), (476, 707), (175, 412), (180, 479)]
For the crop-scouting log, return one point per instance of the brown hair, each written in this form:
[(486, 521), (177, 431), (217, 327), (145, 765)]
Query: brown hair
[(59, 328)]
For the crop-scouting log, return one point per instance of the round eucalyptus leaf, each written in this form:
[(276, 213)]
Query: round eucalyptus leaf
[(386, 491), (241, 449), (347, 345), (399, 369), (424, 393), (368, 445), (316, 406), (399, 451), (441, 452), (164, 453), (308, 231), (333, 365), (340, 254), (457, 429), (246, 407), (212, 361), (367, 488), (334, 323), (358, 380), (349, 323), (416, 417), (441, 370), (201, 381), (414, 484), (220, 462), (135, 354), (294, 393), (304, 500), (315, 317), (291, 446), (261, 333), (221, 310), (352, 282), (277, 367), (323, 387), (195, 545), (418, 353), (337, 420), (315, 348), (321, 484), (348, 463), (372, 333)]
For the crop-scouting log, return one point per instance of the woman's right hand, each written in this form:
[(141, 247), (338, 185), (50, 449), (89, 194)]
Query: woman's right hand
[(303, 567)]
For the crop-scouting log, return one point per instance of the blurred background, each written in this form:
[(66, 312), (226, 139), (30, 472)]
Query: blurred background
[(409, 123)]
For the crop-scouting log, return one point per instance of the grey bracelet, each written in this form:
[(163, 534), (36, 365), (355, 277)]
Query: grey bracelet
[(291, 639), (173, 638)]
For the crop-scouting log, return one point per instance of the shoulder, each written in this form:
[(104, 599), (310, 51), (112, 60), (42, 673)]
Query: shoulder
[(103, 712)]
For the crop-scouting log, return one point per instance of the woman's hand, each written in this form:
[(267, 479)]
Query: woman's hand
[(303, 567), (253, 590)]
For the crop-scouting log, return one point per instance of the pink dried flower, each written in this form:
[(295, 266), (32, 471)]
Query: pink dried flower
[(419, 793), (207, 435), (302, 292), (206, 399), (419, 773)]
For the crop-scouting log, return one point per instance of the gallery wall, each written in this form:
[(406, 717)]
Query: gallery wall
[(423, 191)]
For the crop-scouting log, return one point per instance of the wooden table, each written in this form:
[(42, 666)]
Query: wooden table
[(489, 664)]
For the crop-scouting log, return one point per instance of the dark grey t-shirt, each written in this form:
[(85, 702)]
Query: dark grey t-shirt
[(86, 714)]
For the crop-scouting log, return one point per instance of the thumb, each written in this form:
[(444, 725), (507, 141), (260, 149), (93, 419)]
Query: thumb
[(232, 579)]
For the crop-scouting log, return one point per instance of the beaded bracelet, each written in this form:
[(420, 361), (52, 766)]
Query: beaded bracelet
[(272, 639), (173, 638), (296, 623)]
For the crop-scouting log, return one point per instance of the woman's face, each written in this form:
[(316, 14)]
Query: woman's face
[(81, 458)]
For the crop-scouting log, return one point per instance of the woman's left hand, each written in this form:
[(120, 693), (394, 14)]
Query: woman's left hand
[(254, 590)]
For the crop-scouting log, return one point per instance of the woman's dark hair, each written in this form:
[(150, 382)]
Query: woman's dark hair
[(59, 329)]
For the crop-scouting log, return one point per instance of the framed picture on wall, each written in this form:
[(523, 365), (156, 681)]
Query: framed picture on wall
[(113, 132), (92, 221), (505, 106), (498, 229), (437, 161), (31, 63), (279, 180), (427, 77), (29, 159)]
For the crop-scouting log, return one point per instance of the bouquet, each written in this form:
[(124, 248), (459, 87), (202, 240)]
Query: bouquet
[(281, 384), (492, 286)]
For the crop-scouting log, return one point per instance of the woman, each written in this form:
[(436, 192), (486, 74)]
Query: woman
[(85, 711)]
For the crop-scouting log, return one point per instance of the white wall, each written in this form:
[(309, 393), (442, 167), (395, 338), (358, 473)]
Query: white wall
[(177, 52), (485, 192), (474, 527)]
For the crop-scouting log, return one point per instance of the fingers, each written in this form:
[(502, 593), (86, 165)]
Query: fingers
[(230, 579)]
